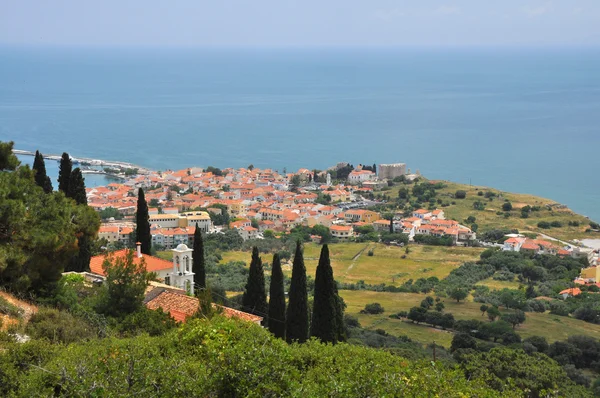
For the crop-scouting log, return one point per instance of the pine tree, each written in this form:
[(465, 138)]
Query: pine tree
[(41, 178), (77, 187), (326, 306), (277, 300), (142, 220), (296, 323), (198, 258), (64, 173), (254, 299)]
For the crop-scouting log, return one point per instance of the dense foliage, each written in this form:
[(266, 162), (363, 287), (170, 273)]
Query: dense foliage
[(223, 358), (38, 232)]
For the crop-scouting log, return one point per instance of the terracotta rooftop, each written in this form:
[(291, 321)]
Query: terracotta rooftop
[(152, 263)]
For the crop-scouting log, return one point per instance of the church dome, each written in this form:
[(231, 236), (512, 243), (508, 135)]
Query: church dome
[(182, 246)]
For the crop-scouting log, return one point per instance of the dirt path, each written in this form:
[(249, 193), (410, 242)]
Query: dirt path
[(28, 309), (356, 257)]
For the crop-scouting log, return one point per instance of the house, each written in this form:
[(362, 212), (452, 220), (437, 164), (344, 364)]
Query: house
[(572, 292), (177, 273), (181, 306), (358, 176), (341, 232), (367, 216), (422, 213)]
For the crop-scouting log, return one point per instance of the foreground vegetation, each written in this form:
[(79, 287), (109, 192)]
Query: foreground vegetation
[(222, 357)]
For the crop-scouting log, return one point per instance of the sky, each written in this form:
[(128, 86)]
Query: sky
[(299, 23)]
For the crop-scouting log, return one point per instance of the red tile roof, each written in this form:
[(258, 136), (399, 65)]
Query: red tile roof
[(152, 263)]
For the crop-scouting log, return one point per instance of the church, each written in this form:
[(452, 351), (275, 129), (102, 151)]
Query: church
[(178, 273), (174, 291)]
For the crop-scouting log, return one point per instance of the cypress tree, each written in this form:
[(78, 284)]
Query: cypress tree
[(374, 168), (296, 322), (254, 299), (391, 224), (80, 262), (277, 300), (41, 178), (77, 187), (198, 259), (142, 221), (64, 173), (326, 303)]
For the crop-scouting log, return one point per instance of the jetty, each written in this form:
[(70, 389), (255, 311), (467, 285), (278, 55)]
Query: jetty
[(121, 166)]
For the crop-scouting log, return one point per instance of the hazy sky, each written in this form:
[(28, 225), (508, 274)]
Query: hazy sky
[(169, 23)]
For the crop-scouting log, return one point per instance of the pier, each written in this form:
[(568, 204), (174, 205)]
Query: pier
[(122, 166)]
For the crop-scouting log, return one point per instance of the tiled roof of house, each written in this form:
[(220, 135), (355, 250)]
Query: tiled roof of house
[(152, 263)]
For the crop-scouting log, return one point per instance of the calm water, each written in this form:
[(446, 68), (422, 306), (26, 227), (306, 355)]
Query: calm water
[(524, 121)]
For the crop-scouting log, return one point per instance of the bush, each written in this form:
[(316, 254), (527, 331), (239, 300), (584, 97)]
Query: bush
[(373, 308), (556, 224), (58, 327), (544, 225), (460, 194), (351, 321), (507, 206)]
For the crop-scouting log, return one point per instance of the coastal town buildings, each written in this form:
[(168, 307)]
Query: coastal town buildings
[(255, 201)]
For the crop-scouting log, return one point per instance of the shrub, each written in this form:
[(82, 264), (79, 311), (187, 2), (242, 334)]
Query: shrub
[(507, 206), (351, 321), (544, 225), (556, 224), (460, 194), (373, 308), (58, 327)]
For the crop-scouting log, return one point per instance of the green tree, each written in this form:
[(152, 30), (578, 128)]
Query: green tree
[(77, 187), (483, 309), (277, 300), (38, 233), (506, 369), (254, 300), (126, 282), (41, 178), (496, 329), (493, 313), (8, 161), (514, 318), (462, 340), (296, 325), (142, 221), (64, 173), (199, 265), (326, 315), (458, 294), (507, 206)]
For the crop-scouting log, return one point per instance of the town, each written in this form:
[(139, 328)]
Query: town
[(258, 202)]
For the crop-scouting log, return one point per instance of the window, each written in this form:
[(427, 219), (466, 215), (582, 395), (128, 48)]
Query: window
[(167, 280)]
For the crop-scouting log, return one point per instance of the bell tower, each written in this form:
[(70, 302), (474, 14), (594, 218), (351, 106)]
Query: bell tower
[(182, 275)]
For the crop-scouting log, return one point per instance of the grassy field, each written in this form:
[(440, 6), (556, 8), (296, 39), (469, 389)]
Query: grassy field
[(488, 219), (351, 263), (552, 327), (498, 285)]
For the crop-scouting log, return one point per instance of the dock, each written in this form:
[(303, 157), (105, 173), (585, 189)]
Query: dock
[(122, 166)]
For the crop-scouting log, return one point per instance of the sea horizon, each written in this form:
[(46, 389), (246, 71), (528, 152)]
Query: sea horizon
[(508, 118)]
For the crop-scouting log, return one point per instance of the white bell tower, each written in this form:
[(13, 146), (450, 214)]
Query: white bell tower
[(182, 275)]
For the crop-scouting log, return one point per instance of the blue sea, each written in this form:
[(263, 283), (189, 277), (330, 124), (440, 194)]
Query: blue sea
[(519, 120)]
